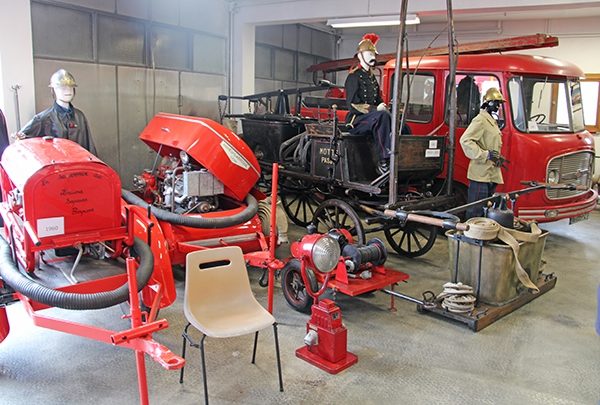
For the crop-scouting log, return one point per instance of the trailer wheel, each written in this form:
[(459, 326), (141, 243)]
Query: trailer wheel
[(411, 240), (293, 287), (298, 200), (337, 214)]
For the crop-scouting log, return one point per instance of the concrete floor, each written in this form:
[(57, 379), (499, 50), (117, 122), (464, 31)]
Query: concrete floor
[(544, 353)]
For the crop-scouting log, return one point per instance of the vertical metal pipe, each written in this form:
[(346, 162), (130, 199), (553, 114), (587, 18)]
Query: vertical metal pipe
[(452, 90), (397, 93), (15, 90)]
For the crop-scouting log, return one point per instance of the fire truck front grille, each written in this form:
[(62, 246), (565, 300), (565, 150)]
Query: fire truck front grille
[(575, 168)]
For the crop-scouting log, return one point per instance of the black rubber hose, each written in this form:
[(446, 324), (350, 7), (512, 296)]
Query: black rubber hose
[(196, 222), (13, 277)]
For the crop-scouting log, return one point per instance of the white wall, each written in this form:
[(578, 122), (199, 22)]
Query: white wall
[(16, 60)]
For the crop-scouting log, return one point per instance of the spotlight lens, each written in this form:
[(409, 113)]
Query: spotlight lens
[(325, 254)]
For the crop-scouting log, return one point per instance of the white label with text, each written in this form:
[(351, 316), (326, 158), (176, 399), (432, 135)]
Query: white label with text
[(50, 226)]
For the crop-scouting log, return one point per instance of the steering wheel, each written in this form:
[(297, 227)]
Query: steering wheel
[(539, 118)]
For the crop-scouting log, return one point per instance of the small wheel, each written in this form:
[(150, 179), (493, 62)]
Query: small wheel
[(293, 287), (412, 240), (179, 272), (337, 214), (299, 201)]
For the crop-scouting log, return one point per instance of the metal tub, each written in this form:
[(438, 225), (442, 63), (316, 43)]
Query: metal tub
[(490, 267)]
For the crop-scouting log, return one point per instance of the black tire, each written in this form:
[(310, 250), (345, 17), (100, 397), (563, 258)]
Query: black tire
[(298, 200), (337, 214), (179, 272), (412, 240), (293, 287)]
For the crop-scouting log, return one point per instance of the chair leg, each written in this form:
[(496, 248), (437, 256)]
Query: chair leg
[(184, 335), (204, 370), (254, 350), (278, 357)]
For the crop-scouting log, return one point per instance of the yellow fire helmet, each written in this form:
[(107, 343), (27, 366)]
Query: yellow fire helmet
[(493, 94), (62, 78), (368, 43)]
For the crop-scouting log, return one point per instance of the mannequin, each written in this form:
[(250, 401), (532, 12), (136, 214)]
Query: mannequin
[(481, 143), (62, 120), (368, 114)]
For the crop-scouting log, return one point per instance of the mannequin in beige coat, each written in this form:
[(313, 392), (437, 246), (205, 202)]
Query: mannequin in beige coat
[(482, 142)]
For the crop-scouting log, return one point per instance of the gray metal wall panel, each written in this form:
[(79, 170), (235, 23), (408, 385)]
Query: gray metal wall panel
[(96, 97), (284, 64), (171, 48), (210, 54), (165, 11), (304, 61), (322, 44), (134, 8), (61, 32), (199, 92), (261, 85), (135, 156), (290, 36), (262, 62), (103, 5), (270, 34), (305, 41), (205, 15), (120, 41)]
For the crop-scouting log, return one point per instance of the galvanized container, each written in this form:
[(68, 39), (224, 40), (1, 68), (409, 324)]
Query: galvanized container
[(489, 267)]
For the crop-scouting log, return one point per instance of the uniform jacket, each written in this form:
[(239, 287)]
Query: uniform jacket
[(61, 123), (481, 136), (361, 88), (3, 134)]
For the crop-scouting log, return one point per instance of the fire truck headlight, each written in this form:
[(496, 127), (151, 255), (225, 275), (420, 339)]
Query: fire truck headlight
[(325, 254)]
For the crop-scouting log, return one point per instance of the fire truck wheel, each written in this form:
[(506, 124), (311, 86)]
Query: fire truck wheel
[(179, 272), (294, 289)]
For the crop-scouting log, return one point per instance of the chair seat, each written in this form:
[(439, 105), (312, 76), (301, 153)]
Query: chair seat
[(230, 321)]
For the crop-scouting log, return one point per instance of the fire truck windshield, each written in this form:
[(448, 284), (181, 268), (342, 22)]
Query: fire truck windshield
[(542, 104)]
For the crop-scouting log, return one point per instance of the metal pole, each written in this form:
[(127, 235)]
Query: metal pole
[(452, 89), (15, 90), (397, 93)]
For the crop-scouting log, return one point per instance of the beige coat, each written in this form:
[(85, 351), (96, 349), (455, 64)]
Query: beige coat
[(481, 136)]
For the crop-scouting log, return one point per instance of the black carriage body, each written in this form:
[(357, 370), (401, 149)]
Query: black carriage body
[(265, 136)]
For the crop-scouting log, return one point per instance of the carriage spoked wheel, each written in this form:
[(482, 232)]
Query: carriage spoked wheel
[(298, 200), (337, 214), (411, 240)]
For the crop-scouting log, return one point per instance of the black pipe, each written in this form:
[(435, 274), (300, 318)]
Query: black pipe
[(13, 277), (197, 222)]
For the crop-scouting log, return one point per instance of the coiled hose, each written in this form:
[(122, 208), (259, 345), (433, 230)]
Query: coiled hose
[(193, 221), (13, 277)]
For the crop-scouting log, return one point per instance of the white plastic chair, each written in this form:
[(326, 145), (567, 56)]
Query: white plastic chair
[(219, 302)]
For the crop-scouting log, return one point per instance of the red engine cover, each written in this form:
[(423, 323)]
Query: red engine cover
[(65, 189), (212, 145)]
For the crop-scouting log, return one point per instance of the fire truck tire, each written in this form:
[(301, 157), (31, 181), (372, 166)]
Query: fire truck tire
[(294, 290), (12, 276), (197, 222)]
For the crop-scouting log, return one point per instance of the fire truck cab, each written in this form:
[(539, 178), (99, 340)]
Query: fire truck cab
[(544, 136)]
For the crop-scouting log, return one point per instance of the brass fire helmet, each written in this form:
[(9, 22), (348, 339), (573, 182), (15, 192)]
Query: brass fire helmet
[(366, 45), (62, 78), (493, 94)]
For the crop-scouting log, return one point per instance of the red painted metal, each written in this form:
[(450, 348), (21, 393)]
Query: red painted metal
[(212, 145), (4, 324), (330, 352)]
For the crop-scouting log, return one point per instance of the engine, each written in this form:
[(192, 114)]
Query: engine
[(178, 187)]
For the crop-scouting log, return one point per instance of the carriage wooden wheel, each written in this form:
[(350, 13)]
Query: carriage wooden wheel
[(411, 240), (299, 200), (337, 214)]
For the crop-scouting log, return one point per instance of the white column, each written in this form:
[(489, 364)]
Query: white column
[(16, 61), (242, 71)]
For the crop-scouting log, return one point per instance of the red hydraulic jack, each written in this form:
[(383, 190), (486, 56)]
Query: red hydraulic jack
[(326, 336)]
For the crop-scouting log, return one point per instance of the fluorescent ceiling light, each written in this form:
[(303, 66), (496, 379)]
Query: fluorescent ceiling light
[(376, 21)]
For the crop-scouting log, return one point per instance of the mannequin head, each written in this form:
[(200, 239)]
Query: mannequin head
[(63, 87), (366, 51), (492, 100)]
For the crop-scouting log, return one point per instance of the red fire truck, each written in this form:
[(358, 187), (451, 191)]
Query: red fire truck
[(544, 137)]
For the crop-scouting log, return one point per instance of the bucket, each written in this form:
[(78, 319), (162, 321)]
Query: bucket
[(489, 267)]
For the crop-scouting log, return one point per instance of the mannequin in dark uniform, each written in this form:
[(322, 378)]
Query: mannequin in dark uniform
[(3, 134), (368, 114), (62, 120)]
